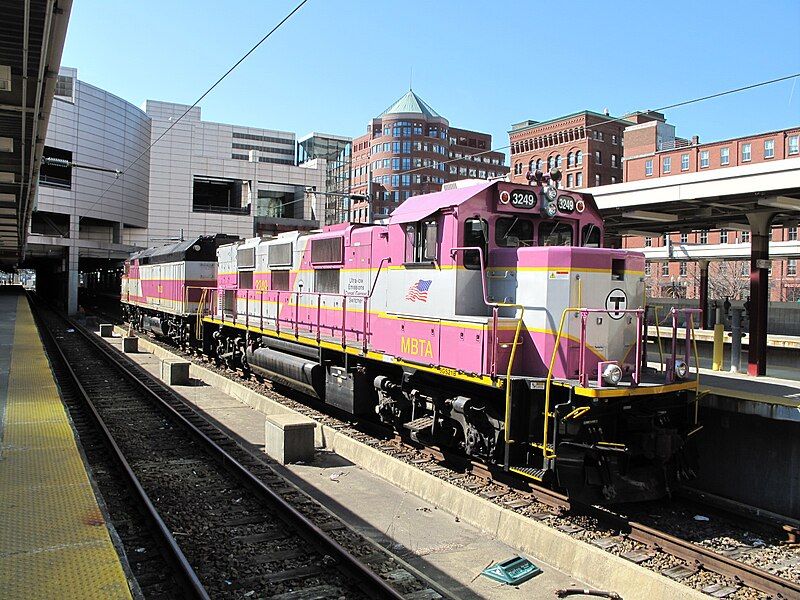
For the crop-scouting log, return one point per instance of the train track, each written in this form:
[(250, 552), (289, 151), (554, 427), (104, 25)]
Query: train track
[(676, 557), (227, 525)]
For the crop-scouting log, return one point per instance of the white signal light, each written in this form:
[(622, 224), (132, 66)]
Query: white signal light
[(612, 374)]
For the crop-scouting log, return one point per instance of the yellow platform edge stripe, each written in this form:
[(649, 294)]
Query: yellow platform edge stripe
[(54, 542)]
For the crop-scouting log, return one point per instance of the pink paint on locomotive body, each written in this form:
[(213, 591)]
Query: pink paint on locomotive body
[(374, 307)]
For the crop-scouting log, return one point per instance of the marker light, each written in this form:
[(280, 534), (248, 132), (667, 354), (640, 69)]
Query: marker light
[(681, 369), (612, 374)]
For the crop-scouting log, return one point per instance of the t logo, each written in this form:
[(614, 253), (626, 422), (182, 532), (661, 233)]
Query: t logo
[(616, 302)]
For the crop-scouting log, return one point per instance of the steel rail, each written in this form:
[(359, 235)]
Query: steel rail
[(371, 583), (744, 573), (187, 578)]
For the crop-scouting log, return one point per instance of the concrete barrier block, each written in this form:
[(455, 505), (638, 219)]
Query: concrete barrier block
[(175, 371), (106, 330), (130, 344), (289, 438), (92, 323)]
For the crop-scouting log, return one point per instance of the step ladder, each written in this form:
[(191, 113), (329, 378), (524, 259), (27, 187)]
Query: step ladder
[(422, 425), (530, 472)]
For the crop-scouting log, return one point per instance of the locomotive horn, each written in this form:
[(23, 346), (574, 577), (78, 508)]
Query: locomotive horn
[(555, 174)]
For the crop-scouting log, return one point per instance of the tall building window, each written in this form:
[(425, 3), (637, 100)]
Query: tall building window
[(550, 162), (539, 164), (395, 180), (406, 147), (791, 266), (704, 159), (395, 164), (684, 162), (597, 179), (569, 180), (613, 160), (406, 181), (794, 144), (570, 159), (598, 158), (684, 238), (704, 236), (746, 152), (665, 269), (648, 167), (724, 156), (579, 158), (745, 236), (791, 234), (683, 270), (648, 241), (666, 164), (613, 139), (558, 161), (396, 147), (769, 148), (406, 164), (723, 236), (579, 180)]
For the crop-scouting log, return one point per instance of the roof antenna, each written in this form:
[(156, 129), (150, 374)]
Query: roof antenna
[(411, 78)]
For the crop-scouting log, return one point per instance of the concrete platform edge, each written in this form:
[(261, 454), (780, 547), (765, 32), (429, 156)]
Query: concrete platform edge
[(580, 559)]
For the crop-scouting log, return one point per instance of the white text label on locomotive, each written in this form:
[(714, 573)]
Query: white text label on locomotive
[(520, 199)]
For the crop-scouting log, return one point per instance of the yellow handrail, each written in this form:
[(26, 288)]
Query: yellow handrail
[(550, 378), (507, 424)]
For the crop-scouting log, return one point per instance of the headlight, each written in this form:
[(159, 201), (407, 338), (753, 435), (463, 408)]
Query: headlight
[(681, 369), (612, 374), (550, 209), (550, 193)]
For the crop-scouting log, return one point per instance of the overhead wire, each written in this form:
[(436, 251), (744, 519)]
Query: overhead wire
[(620, 119), (196, 102)]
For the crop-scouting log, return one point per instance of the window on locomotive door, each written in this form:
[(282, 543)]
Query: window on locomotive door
[(476, 234)]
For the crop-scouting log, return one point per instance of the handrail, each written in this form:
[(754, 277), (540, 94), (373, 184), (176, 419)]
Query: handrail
[(365, 298), (584, 312), (496, 305)]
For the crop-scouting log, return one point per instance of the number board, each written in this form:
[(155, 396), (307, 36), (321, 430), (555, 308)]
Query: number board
[(523, 198), (566, 204)]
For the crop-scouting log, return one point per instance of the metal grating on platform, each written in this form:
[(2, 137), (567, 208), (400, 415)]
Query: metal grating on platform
[(53, 537)]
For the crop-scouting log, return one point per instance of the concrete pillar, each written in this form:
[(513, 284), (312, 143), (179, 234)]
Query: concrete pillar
[(703, 301), (73, 255), (760, 224)]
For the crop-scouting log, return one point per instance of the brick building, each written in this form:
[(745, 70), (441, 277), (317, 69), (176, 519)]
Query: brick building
[(653, 150), (586, 146), (406, 152)]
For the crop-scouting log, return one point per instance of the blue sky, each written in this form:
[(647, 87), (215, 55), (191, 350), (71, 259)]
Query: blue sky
[(483, 65)]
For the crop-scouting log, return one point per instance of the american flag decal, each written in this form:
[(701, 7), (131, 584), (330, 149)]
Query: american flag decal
[(419, 291)]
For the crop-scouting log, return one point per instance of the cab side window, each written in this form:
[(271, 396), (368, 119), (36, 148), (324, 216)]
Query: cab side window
[(422, 241), (476, 234)]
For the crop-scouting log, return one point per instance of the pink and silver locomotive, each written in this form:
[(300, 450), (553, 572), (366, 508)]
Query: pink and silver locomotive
[(487, 317)]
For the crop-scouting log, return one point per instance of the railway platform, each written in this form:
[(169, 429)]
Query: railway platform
[(54, 541)]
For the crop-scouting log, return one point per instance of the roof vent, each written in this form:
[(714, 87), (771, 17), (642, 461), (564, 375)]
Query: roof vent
[(5, 78)]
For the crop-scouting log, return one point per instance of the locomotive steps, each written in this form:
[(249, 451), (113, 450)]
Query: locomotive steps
[(583, 561)]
